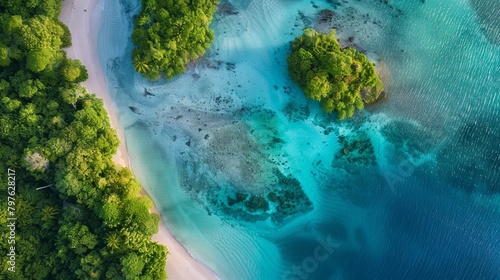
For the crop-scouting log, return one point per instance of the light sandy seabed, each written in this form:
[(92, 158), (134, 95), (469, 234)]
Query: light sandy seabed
[(83, 19)]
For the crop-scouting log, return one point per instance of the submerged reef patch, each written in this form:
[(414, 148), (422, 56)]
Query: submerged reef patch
[(471, 160), (283, 200), (354, 173), (238, 171), (409, 140), (293, 111), (488, 13), (356, 154)]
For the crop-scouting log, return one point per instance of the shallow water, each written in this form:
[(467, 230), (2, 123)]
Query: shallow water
[(258, 183)]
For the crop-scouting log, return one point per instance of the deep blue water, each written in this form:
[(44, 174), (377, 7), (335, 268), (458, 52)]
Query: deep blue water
[(407, 189), (432, 237)]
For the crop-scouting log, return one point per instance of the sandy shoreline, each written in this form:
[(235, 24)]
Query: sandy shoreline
[(83, 19)]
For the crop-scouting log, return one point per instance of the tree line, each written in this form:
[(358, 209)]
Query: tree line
[(91, 222)]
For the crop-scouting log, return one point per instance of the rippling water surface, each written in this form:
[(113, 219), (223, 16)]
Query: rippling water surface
[(258, 183)]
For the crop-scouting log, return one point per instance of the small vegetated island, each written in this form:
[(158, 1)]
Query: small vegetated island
[(342, 80), (169, 34)]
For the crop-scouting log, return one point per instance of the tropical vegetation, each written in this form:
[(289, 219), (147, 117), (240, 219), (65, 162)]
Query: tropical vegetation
[(342, 80), (88, 220), (169, 34)]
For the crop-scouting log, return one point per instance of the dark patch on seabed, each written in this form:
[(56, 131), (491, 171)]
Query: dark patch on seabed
[(488, 13), (355, 175), (409, 140), (240, 170), (471, 161)]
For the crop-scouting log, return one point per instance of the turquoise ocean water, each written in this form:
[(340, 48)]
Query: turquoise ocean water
[(258, 183)]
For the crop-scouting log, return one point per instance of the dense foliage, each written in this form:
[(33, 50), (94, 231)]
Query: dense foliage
[(341, 79), (168, 34), (92, 222)]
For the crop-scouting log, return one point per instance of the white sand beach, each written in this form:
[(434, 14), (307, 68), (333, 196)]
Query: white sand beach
[(83, 19)]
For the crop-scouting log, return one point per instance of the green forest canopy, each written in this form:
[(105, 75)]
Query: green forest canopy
[(92, 222), (342, 80), (168, 34)]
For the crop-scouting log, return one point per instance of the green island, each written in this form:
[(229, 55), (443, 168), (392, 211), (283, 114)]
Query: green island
[(88, 219), (169, 34), (342, 80)]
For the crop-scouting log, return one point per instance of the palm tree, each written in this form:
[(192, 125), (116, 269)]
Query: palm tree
[(139, 65), (113, 240), (49, 213)]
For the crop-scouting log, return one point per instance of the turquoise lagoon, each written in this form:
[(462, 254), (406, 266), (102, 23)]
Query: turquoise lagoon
[(258, 183)]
